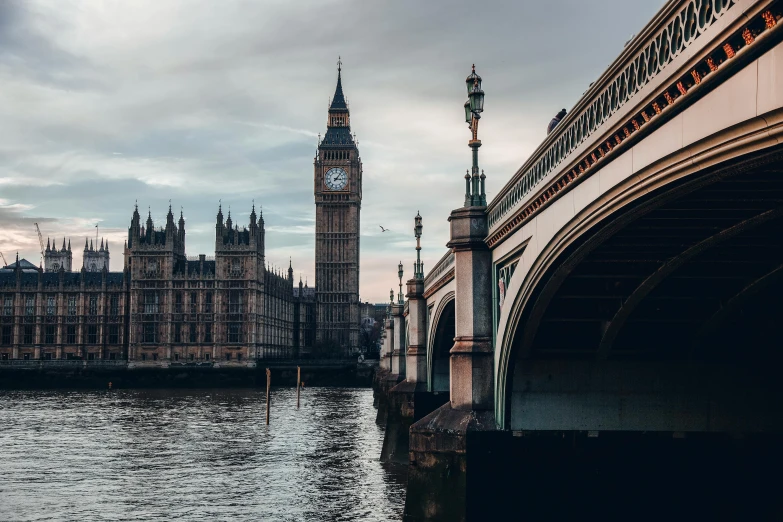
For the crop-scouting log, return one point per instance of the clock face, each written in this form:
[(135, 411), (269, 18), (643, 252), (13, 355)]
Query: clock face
[(336, 178)]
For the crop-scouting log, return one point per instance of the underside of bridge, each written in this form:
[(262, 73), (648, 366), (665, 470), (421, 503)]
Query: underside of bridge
[(693, 274), (652, 349)]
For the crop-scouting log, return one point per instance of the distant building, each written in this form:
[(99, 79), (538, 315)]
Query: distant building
[(167, 308), (338, 202), (95, 259), (372, 316), (55, 259), (163, 308)]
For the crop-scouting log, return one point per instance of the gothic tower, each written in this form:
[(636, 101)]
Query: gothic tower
[(55, 260), (95, 259), (338, 200)]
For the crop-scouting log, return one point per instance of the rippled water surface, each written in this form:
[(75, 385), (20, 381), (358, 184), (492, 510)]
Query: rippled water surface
[(194, 455)]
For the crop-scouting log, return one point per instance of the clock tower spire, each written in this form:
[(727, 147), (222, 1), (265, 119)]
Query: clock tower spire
[(338, 199)]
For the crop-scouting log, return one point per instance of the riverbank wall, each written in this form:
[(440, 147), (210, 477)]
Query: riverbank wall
[(88, 375)]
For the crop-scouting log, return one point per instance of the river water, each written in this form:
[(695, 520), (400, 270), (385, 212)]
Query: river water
[(195, 455)]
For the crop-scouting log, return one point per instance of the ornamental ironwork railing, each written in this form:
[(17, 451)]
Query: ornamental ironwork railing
[(445, 262), (673, 30)]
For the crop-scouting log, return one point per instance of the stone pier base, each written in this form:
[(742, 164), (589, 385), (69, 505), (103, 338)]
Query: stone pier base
[(408, 402), (377, 379), (386, 381), (456, 462)]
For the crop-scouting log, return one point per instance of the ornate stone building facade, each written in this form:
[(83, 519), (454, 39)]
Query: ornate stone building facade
[(166, 308), (338, 200), (62, 314), (163, 308)]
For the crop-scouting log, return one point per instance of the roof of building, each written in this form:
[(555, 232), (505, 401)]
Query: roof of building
[(338, 137), (24, 264), (338, 100)]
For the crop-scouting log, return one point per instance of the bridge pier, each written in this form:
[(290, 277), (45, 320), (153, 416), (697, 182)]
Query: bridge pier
[(384, 367), (394, 429), (410, 400), (455, 450), (385, 379)]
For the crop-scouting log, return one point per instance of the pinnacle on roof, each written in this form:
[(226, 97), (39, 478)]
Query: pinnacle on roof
[(338, 100)]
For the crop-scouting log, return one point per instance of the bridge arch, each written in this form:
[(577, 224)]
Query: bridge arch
[(439, 343), (527, 328)]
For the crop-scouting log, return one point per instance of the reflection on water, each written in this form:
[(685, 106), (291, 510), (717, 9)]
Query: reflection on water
[(194, 455)]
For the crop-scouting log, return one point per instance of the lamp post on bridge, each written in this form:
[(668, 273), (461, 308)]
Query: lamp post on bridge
[(409, 400), (466, 424), (416, 358), (418, 268), (475, 195), (399, 273)]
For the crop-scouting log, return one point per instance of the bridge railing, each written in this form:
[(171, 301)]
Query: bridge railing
[(650, 74), (440, 268)]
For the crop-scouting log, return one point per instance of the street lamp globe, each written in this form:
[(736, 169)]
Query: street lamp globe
[(476, 97)]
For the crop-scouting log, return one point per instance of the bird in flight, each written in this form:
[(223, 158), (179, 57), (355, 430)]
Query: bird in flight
[(383, 229)]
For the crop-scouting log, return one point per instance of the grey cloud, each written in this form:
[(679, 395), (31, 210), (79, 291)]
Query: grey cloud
[(199, 101)]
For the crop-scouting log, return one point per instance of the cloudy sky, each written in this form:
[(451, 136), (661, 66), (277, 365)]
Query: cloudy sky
[(103, 103)]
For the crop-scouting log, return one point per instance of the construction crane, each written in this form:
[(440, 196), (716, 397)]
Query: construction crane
[(40, 241), (5, 263)]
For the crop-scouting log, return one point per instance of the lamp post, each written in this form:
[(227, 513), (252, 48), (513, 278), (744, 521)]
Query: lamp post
[(399, 273), (474, 182), (418, 269)]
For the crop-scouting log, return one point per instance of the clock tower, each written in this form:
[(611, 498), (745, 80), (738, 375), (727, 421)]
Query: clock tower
[(338, 200)]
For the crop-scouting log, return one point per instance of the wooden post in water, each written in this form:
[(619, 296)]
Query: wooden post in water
[(268, 382), (298, 381)]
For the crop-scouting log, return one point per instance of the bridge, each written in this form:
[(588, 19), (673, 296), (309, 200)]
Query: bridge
[(604, 336)]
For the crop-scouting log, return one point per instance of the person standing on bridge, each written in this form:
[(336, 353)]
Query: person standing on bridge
[(552, 124)]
